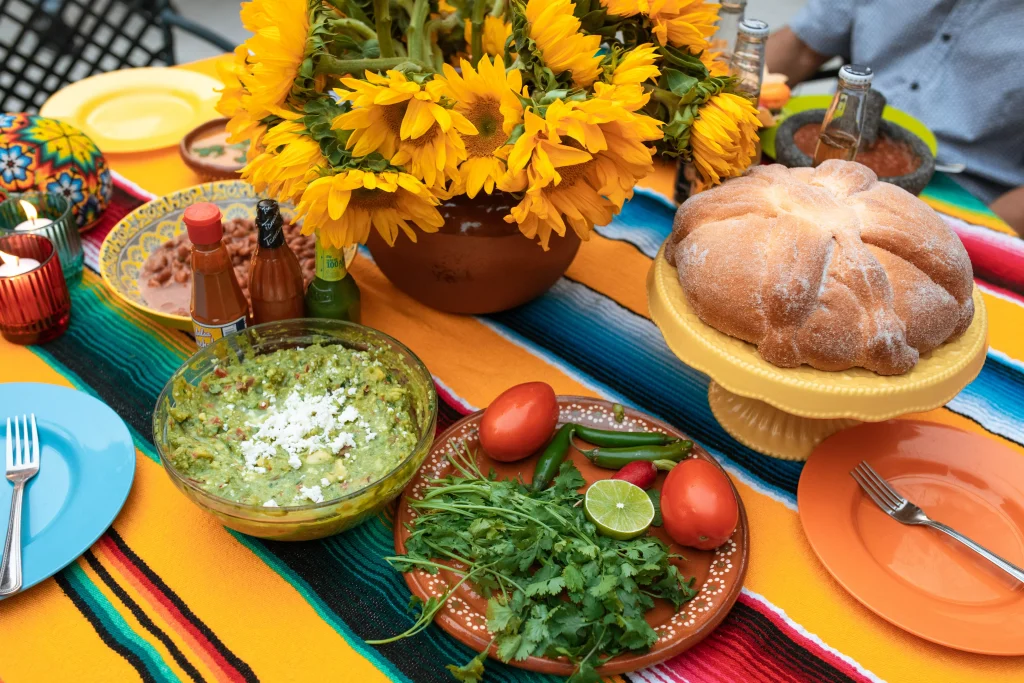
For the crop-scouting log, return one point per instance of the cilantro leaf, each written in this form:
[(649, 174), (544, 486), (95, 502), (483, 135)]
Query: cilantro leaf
[(470, 672)]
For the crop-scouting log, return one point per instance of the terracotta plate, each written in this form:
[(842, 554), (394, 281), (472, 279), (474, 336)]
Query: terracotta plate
[(915, 577), (719, 573)]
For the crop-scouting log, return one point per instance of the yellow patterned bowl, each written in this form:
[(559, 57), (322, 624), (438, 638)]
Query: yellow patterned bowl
[(138, 234)]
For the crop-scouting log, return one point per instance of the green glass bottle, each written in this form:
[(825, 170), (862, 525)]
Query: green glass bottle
[(333, 293)]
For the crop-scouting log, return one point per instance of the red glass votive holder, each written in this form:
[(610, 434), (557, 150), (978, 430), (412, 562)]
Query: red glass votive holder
[(35, 306)]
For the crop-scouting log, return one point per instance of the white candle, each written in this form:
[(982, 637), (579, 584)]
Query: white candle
[(32, 220), (11, 265), (33, 223)]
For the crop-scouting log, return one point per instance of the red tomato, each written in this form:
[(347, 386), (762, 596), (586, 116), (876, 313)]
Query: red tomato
[(698, 505), (519, 421)]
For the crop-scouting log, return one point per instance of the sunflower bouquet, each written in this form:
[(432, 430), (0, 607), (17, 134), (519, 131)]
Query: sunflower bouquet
[(370, 113)]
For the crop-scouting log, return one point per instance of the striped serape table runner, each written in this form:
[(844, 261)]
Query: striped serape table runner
[(169, 595)]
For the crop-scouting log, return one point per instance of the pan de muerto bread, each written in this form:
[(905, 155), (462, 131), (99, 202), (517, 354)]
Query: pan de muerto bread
[(824, 266)]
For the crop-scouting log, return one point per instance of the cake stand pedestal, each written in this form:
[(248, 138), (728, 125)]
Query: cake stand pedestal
[(786, 412)]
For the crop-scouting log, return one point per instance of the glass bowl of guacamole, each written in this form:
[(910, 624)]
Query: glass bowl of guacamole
[(296, 430)]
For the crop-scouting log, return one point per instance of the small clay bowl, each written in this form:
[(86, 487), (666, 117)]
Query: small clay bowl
[(789, 154), (214, 165)]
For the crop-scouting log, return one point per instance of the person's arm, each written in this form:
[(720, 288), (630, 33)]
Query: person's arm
[(1010, 207), (786, 54), (821, 29)]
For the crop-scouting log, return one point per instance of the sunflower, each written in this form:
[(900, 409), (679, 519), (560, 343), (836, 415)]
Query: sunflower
[(682, 23), (556, 32), (723, 138), (405, 123), (488, 98), (280, 29), (496, 32), (290, 160), (342, 207), (637, 66), (713, 62), (578, 164), (242, 125)]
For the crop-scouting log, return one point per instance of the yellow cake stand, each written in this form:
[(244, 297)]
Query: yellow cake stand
[(786, 412)]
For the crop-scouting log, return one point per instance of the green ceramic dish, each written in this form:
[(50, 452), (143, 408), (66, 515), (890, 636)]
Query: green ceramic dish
[(805, 102)]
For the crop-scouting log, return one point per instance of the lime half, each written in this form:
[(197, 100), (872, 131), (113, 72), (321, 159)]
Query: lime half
[(619, 509)]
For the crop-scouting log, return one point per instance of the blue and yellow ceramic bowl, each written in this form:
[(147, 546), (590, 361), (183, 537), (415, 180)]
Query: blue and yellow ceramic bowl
[(138, 234)]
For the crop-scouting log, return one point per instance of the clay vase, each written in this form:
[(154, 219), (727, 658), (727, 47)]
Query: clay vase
[(476, 262)]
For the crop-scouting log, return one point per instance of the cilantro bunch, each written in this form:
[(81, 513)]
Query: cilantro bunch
[(555, 587)]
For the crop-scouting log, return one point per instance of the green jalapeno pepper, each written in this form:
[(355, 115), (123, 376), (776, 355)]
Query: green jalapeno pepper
[(617, 458), (614, 439), (551, 459)]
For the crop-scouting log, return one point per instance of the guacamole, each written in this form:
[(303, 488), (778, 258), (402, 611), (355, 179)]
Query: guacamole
[(292, 427)]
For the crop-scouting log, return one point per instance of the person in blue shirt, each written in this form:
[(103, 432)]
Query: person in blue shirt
[(957, 65)]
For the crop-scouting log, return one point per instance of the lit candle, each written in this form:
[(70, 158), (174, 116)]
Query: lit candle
[(32, 220), (11, 265)]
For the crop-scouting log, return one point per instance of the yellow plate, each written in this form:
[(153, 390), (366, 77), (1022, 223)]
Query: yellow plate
[(136, 110), (805, 102), (785, 412), (138, 234)]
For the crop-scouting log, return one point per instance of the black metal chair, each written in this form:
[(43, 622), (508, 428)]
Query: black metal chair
[(46, 44)]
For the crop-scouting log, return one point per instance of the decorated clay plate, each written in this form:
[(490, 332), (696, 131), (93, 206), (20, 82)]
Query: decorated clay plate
[(138, 234), (719, 573)]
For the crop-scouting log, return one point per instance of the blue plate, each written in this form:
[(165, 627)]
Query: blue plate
[(86, 466)]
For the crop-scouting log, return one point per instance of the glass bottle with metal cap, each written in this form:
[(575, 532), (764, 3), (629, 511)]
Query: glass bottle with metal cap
[(730, 15), (747, 63), (844, 121), (333, 293)]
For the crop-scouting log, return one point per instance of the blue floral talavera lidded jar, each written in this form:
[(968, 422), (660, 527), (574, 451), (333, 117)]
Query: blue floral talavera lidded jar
[(47, 155)]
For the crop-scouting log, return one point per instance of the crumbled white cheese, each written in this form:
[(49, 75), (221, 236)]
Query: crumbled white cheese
[(370, 436), (300, 426), (311, 493), (270, 503), (351, 391), (325, 481)]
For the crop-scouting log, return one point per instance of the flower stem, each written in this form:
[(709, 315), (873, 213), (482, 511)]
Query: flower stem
[(498, 9), (477, 32), (382, 18), (329, 64), (419, 47), (354, 25)]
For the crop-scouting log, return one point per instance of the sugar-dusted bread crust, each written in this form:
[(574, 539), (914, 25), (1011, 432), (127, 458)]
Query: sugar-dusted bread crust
[(824, 266)]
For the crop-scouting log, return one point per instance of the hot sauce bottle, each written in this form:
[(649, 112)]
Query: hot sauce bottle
[(275, 278), (218, 305)]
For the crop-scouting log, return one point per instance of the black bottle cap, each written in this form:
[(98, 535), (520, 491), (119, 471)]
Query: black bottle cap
[(269, 224)]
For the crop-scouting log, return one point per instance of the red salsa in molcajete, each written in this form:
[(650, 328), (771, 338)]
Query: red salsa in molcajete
[(887, 157)]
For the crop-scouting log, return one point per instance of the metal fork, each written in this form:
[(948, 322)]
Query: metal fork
[(905, 512), (22, 465)]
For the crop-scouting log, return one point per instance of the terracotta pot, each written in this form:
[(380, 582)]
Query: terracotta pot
[(476, 262)]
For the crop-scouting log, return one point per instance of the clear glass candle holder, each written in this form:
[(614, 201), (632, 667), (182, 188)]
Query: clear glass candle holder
[(62, 231), (35, 306)]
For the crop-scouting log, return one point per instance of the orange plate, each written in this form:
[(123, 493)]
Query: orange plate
[(918, 578), (719, 572)]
